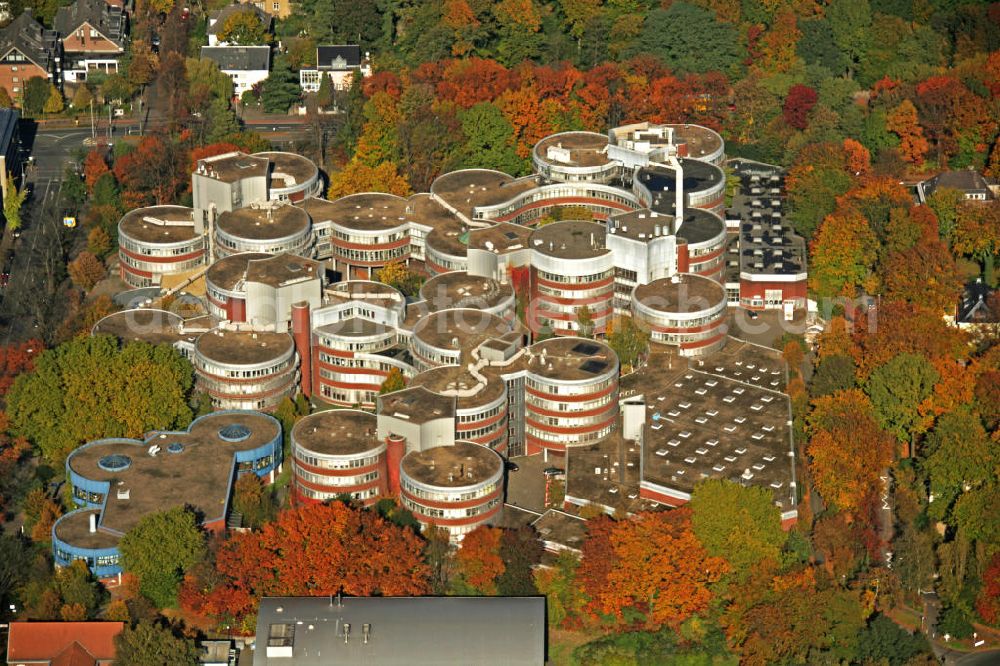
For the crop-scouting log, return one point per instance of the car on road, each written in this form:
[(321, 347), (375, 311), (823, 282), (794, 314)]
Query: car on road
[(512, 466), (553, 471), (751, 314)]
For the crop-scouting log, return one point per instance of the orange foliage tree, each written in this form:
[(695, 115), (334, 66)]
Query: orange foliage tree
[(478, 560), (312, 550), (847, 448), (843, 254), (16, 358), (651, 563), (94, 166), (902, 121), (86, 270)]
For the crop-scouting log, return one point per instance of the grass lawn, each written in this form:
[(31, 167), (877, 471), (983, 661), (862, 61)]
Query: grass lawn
[(562, 643)]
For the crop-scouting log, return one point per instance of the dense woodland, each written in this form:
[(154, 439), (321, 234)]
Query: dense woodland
[(854, 97)]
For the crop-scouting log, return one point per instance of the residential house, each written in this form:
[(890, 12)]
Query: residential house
[(217, 20), (70, 643), (245, 65), (969, 182), (340, 63), (277, 8), (28, 50), (93, 36)]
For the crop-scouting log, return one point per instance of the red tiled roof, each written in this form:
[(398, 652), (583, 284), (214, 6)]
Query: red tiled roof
[(74, 655), (41, 641)]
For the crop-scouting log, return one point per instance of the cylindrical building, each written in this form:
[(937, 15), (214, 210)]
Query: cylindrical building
[(246, 370), (449, 336), (353, 336), (457, 487), (686, 311), (481, 404), (270, 229), (446, 248), (571, 394), (367, 231), (336, 452), (156, 241), (225, 290), (575, 157), (458, 289), (570, 268), (291, 177)]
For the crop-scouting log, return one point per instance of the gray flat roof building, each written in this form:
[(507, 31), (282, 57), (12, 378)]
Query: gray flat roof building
[(319, 631)]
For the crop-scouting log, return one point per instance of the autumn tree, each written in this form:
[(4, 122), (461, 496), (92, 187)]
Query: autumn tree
[(479, 562), (143, 64), (93, 387), (738, 523), (843, 254), (847, 448), (629, 341), (394, 381), (357, 177), (652, 564), (54, 102), (17, 358), (314, 550), (988, 601), (12, 202), (398, 275), (252, 500), (154, 173), (818, 176), (94, 166), (244, 28), (788, 618), (903, 122), (798, 103), (86, 270)]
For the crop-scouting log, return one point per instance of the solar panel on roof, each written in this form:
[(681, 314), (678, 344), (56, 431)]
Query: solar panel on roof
[(510, 235), (586, 348), (593, 367)]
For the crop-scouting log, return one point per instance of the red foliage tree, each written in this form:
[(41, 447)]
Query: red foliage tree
[(798, 103), (313, 550), (478, 559), (94, 166), (988, 601), (17, 358)]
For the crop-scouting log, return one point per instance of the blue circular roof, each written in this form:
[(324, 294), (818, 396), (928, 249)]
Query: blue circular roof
[(175, 447), (116, 462), (234, 432)]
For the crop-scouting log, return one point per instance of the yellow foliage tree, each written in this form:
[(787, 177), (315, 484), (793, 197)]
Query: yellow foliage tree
[(359, 177), (54, 104)]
